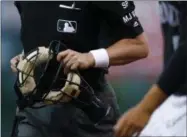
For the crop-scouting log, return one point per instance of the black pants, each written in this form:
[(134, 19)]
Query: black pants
[(67, 120)]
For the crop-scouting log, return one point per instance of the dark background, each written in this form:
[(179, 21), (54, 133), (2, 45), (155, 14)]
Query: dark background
[(130, 82)]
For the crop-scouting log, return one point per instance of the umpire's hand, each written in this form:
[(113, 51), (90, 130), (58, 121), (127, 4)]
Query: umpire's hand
[(132, 122), (75, 60)]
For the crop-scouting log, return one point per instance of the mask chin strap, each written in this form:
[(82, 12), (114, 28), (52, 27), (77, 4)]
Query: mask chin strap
[(96, 110)]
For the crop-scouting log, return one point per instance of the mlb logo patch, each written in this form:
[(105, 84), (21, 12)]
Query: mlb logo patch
[(66, 26)]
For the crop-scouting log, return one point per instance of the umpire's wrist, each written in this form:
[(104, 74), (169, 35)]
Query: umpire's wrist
[(91, 59), (101, 58)]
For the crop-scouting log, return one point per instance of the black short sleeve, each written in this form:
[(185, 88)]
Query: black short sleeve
[(173, 77), (121, 17)]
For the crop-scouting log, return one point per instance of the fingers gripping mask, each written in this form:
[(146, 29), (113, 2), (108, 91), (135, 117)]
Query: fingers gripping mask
[(27, 84), (40, 79)]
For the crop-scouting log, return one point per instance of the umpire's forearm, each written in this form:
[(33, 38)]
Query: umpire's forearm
[(153, 99), (128, 50)]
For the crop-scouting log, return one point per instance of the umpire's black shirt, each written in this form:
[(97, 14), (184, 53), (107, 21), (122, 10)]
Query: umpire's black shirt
[(77, 24)]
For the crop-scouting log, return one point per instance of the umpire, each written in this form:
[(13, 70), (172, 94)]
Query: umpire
[(78, 25)]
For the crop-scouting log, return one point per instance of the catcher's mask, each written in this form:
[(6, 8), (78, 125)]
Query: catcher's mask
[(40, 79)]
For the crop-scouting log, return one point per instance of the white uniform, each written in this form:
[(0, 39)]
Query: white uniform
[(169, 119)]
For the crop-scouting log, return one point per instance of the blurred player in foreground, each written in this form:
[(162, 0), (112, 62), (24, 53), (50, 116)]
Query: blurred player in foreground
[(161, 112)]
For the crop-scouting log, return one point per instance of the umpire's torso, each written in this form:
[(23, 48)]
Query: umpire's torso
[(74, 23), (77, 24)]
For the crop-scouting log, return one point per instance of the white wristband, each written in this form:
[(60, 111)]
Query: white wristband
[(101, 58)]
